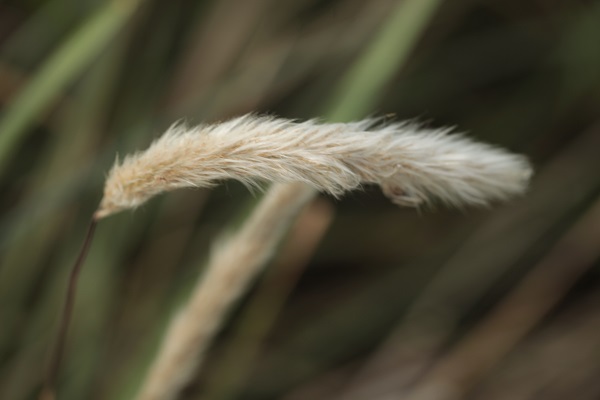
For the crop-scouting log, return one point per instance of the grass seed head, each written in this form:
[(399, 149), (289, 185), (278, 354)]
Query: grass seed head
[(412, 165)]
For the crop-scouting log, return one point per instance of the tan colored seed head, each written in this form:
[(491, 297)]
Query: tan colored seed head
[(413, 166)]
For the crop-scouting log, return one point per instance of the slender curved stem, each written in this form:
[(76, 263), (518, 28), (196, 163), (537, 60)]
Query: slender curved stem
[(49, 387)]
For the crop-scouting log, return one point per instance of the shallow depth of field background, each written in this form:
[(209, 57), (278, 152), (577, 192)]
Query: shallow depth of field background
[(500, 303)]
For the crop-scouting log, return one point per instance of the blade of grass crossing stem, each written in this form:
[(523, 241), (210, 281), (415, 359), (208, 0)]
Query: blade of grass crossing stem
[(361, 86), (356, 93), (59, 70)]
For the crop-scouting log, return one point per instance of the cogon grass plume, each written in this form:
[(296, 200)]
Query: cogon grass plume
[(412, 165)]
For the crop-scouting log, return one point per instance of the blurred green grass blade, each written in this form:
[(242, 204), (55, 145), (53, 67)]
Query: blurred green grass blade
[(359, 89), (58, 71)]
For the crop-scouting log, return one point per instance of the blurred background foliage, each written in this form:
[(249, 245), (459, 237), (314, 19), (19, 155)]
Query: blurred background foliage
[(375, 302)]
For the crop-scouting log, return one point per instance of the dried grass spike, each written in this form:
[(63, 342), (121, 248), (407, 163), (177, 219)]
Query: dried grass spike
[(412, 165)]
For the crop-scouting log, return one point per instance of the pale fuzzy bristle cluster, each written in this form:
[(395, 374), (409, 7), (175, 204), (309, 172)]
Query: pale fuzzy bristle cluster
[(413, 166)]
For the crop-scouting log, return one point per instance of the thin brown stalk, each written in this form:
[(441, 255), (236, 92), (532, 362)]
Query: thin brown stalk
[(49, 388)]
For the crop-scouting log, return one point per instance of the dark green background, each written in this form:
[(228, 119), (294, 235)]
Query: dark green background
[(521, 74)]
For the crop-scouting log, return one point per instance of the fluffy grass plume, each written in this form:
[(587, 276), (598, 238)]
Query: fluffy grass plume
[(413, 166)]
